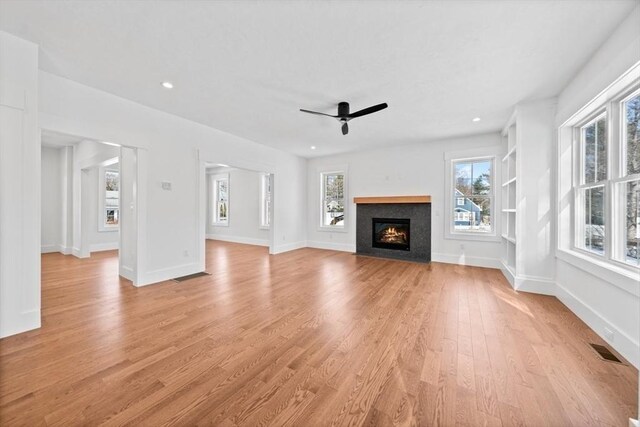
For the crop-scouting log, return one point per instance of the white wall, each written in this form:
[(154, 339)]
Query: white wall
[(600, 297), (19, 186), (416, 169), (51, 200), (173, 148), (244, 208)]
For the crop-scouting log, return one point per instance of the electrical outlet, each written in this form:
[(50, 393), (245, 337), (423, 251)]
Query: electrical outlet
[(609, 335)]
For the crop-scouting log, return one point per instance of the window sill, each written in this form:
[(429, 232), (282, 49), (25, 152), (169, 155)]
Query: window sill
[(264, 227), (219, 224), (623, 278), (108, 229)]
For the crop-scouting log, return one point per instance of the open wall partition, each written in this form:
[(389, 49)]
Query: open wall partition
[(96, 202), (236, 204)]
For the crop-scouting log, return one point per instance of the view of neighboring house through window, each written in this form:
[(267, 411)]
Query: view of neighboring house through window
[(220, 185), (473, 195), (265, 200), (111, 213), (333, 199)]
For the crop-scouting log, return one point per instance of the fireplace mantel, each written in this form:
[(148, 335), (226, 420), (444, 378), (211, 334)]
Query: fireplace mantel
[(391, 199)]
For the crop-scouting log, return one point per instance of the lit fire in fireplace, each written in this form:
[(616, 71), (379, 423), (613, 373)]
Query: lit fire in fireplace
[(393, 235)]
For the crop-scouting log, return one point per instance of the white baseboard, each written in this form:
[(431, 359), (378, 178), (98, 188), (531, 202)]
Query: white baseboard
[(98, 247), (160, 275), (127, 273), (24, 322), (466, 260), (238, 239), (344, 247), (536, 285), (47, 249), (76, 253), (624, 344), (289, 247), (66, 250), (508, 273), (634, 423)]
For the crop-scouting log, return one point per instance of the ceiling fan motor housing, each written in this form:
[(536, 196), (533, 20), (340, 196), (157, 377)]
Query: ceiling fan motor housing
[(343, 109)]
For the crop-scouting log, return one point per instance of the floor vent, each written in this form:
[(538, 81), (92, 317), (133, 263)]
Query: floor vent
[(191, 276), (605, 353)]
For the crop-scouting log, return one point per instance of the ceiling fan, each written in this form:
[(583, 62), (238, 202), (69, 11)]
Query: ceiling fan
[(344, 116)]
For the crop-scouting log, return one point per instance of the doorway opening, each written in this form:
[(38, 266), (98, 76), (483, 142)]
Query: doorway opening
[(86, 183), (237, 206)]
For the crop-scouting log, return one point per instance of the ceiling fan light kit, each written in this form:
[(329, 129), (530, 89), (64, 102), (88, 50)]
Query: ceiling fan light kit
[(344, 116)]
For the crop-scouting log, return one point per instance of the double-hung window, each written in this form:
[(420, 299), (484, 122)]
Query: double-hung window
[(473, 196), (109, 199), (607, 182), (332, 203), (220, 197), (629, 183), (265, 201), (590, 221)]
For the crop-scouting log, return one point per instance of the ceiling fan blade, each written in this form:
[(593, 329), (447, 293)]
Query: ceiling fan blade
[(345, 128), (315, 112), (369, 110)]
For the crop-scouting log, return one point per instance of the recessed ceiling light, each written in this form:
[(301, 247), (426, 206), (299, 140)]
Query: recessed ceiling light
[(313, 147), (477, 119), (167, 85)]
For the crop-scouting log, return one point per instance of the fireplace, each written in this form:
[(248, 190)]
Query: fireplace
[(391, 233), (395, 227)]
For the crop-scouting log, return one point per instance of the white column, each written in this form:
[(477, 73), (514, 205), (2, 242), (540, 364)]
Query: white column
[(19, 186)]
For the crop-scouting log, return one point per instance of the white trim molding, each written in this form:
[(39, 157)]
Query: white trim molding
[(99, 247), (286, 247), (342, 247), (462, 259)]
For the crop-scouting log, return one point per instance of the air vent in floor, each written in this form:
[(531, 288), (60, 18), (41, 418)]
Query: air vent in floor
[(191, 276), (605, 353)]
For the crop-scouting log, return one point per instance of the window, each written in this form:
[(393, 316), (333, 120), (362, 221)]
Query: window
[(333, 199), (220, 206), (473, 194), (591, 193), (265, 201), (607, 188), (630, 241), (110, 199)]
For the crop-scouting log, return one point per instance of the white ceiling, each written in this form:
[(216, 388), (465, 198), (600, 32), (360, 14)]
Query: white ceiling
[(247, 67)]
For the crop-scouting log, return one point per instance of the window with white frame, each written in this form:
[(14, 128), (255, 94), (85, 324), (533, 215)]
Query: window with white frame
[(109, 199), (593, 178), (473, 195), (332, 204), (220, 197), (607, 185), (265, 201)]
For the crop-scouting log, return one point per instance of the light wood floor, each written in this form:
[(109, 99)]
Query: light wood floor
[(306, 338)]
